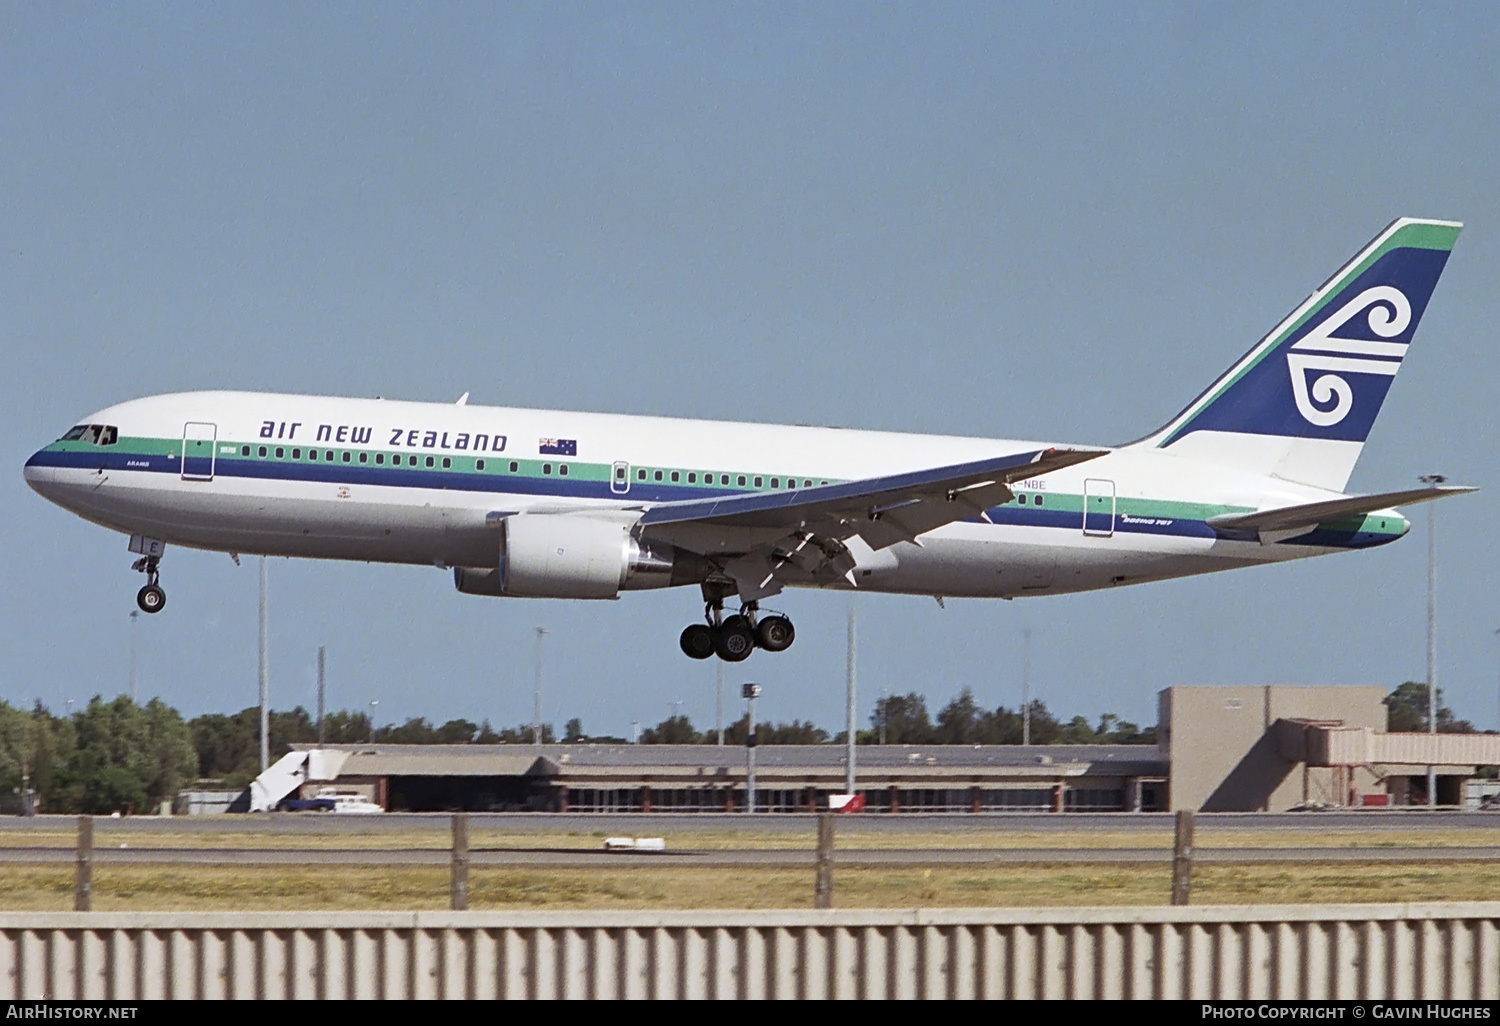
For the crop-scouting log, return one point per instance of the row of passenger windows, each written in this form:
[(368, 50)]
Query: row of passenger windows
[(561, 469), (741, 480), (396, 459)]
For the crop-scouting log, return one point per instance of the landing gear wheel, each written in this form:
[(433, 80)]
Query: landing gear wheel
[(734, 642), (775, 634), (737, 620), (151, 598), (697, 641)]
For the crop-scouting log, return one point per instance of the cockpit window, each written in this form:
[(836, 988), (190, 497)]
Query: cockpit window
[(95, 434)]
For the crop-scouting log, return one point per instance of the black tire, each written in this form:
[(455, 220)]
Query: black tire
[(733, 642), (697, 641), (151, 599), (734, 620), (775, 634)]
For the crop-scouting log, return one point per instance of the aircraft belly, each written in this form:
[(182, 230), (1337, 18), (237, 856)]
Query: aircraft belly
[(985, 561), (377, 524)]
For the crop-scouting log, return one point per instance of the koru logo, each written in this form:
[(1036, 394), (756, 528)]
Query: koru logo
[(1324, 353)]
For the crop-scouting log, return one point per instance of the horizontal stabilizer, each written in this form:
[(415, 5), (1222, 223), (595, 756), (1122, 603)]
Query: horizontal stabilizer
[(1311, 514)]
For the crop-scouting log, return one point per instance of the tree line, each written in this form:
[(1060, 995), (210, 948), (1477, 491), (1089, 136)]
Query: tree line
[(117, 756)]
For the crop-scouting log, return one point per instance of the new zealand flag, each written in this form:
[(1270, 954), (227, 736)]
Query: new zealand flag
[(558, 447)]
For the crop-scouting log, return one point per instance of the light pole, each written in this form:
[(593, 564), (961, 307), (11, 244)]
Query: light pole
[(750, 692), (719, 700), (374, 704), (135, 615), (1432, 706), (852, 683), (536, 692), (1497, 723), (322, 682), (1026, 686), (265, 671)]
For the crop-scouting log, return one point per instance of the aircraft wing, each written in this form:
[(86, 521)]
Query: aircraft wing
[(1309, 515), (765, 539)]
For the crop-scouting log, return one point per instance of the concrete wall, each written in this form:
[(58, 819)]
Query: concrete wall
[(1225, 758), (1287, 952)]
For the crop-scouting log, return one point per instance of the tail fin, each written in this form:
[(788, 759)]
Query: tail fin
[(1300, 404)]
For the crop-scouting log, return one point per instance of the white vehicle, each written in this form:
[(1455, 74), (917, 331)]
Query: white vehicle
[(349, 802), (552, 504)]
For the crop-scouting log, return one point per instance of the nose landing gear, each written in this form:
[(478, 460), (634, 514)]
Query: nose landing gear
[(152, 598), (733, 638)]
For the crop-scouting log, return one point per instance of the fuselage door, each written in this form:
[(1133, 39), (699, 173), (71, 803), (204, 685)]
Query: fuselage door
[(199, 441), (1098, 507), (619, 478)]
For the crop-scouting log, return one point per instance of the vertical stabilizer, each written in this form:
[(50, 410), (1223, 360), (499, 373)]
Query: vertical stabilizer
[(1301, 403)]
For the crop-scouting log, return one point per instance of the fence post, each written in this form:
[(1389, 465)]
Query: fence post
[(824, 892), (460, 888), (1182, 859), (83, 877)]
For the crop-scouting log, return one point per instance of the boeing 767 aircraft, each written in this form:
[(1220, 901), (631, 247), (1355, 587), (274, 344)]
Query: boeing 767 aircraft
[(551, 504)]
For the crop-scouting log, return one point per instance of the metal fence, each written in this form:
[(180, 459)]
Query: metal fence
[(1272, 951)]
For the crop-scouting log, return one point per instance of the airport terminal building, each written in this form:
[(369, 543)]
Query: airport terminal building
[(1221, 749)]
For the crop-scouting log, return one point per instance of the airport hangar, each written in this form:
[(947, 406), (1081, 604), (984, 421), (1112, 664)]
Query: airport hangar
[(1220, 749)]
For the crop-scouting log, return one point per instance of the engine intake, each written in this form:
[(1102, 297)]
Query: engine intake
[(579, 556)]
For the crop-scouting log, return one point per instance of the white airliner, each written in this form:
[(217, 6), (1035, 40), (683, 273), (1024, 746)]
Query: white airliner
[(550, 504)]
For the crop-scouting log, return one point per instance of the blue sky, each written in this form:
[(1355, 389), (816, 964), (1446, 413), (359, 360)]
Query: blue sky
[(1047, 221)]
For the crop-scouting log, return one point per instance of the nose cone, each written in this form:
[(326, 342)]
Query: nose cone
[(41, 474)]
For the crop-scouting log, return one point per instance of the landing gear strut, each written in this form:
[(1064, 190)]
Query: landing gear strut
[(151, 598), (732, 638)]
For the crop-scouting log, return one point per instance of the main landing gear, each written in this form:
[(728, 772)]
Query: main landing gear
[(151, 598), (732, 638)]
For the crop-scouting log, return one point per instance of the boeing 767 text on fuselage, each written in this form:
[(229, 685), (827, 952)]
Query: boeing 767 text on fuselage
[(552, 504)]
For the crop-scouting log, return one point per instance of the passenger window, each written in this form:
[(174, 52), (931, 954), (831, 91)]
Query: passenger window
[(692, 479), (1037, 500), (328, 455), (676, 476), (758, 482), (563, 469), (244, 450), (741, 480), (364, 457), (657, 475), (724, 479), (346, 457), (619, 473), (280, 453), (514, 466), (546, 468), (775, 482), (1021, 499), (479, 464), (296, 454), (429, 461), (447, 463), (806, 484), (312, 454), (640, 475), (262, 450), (413, 460), (379, 458)]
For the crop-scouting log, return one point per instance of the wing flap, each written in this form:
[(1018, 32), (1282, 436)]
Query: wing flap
[(883, 510)]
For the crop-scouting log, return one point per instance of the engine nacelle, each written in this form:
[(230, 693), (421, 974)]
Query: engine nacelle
[(579, 556)]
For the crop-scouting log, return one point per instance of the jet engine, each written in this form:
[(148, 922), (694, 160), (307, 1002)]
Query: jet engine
[(578, 556)]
